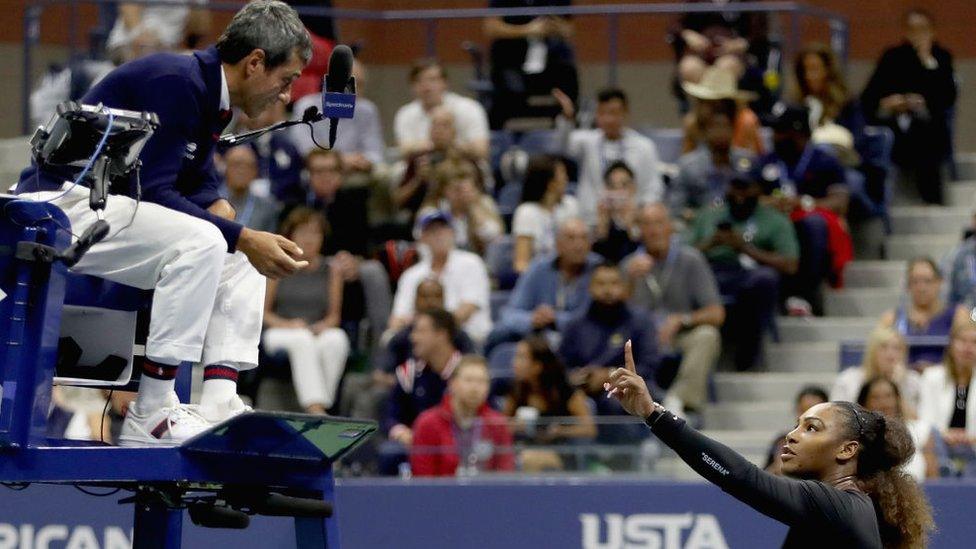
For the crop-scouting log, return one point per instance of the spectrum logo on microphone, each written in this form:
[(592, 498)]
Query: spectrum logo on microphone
[(338, 105)]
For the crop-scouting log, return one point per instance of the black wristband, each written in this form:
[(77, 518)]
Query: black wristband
[(655, 416)]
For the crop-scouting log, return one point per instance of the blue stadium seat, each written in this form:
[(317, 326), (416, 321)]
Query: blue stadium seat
[(500, 360), (509, 198), (500, 141), (669, 142), (540, 142), (498, 299), (498, 258)]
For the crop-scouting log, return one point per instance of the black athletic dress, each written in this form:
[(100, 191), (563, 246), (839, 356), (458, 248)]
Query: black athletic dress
[(819, 516)]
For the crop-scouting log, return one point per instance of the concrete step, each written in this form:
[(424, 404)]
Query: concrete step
[(875, 274), (860, 302), (766, 386), (798, 330), (904, 247), (768, 416), (929, 219), (966, 163), (821, 357), (961, 193)]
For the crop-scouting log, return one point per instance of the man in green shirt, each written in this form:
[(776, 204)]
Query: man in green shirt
[(749, 246)]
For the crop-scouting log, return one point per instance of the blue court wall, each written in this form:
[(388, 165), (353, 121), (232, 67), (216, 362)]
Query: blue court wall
[(588, 513)]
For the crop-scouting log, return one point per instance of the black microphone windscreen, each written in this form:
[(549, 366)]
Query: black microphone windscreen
[(340, 69)]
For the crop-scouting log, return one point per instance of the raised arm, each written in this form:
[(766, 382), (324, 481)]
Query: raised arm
[(787, 500)]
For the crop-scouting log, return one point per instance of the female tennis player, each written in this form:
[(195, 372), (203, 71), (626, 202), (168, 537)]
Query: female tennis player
[(845, 485)]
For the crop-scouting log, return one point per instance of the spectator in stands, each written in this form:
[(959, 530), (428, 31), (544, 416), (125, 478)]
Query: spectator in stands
[(749, 246), (430, 295), (962, 282), (924, 313), (366, 281), (552, 290), (462, 436), (913, 91), (473, 212), (807, 398), (345, 206), (809, 185), (948, 397), (422, 380), (463, 275), (302, 316), (279, 162), (616, 232), (413, 122), (419, 178), (592, 345), (545, 206), (594, 149), (542, 390), (716, 88), (141, 29), (529, 57), (359, 139), (704, 174), (240, 171), (673, 282), (821, 89), (884, 357), (881, 394)]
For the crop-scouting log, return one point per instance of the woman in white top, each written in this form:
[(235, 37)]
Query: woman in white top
[(544, 206), (474, 215), (882, 395), (948, 397), (884, 357)]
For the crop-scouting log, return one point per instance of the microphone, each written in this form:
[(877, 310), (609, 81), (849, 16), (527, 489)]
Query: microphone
[(339, 90), (338, 101)]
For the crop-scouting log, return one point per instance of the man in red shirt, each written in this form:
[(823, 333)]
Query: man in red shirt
[(462, 435)]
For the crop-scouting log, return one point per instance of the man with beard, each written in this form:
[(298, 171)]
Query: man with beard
[(749, 247), (593, 344)]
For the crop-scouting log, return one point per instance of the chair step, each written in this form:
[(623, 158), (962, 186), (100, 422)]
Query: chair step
[(796, 330), (860, 302), (961, 193), (935, 220), (904, 247), (875, 274), (771, 416), (766, 386), (819, 357)]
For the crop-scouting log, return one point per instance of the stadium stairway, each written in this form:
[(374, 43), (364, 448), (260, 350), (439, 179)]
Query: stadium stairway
[(752, 408)]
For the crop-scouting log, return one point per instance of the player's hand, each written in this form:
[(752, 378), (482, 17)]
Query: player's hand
[(272, 255), (629, 388), (566, 106), (222, 208)]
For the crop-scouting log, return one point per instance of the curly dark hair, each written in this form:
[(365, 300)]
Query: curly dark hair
[(904, 514)]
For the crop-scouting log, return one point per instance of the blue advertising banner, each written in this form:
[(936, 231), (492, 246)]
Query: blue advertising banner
[(530, 513)]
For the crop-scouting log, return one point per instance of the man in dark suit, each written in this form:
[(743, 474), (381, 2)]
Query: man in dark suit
[(182, 241)]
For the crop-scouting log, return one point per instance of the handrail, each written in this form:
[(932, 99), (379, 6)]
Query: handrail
[(838, 23)]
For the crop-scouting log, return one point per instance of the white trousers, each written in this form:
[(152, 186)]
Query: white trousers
[(317, 361), (208, 305)]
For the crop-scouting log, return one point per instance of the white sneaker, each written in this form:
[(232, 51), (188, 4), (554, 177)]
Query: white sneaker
[(167, 426), (215, 413)]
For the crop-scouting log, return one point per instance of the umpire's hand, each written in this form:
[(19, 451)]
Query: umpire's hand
[(272, 255)]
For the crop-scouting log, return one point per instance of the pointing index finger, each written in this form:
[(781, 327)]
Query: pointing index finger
[(629, 357)]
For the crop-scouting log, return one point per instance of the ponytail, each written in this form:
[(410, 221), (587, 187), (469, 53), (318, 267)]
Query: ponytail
[(904, 514)]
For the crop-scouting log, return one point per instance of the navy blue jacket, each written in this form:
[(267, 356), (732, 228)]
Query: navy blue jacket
[(597, 338), (418, 388), (177, 161)]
